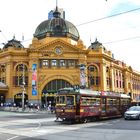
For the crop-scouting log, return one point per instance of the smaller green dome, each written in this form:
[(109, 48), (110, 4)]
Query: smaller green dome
[(95, 45), (13, 43)]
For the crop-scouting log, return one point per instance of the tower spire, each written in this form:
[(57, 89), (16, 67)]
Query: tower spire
[(56, 13), (56, 3)]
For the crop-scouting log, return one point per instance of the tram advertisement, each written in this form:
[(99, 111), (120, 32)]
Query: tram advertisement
[(34, 79)]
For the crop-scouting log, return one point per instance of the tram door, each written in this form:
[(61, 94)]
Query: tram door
[(77, 104), (103, 105)]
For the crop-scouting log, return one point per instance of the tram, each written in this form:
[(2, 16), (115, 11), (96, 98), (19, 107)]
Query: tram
[(86, 105)]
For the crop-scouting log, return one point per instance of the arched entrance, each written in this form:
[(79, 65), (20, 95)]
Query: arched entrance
[(50, 90), (18, 99)]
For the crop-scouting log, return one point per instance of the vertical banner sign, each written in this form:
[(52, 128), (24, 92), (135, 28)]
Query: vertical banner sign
[(82, 76), (34, 79)]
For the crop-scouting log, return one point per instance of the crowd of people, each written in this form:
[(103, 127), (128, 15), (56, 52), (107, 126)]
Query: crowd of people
[(50, 107)]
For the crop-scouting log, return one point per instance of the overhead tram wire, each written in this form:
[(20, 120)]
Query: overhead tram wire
[(121, 40), (114, 15)]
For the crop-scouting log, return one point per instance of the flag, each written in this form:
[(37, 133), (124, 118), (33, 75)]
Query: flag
[(22, 37), (14, 36)]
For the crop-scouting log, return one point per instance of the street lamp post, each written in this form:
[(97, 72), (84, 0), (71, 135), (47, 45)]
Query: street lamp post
[(23, 90)]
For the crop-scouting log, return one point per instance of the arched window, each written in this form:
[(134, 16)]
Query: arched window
[(21, 70), (57, 84), (93, 78), (108, 78)]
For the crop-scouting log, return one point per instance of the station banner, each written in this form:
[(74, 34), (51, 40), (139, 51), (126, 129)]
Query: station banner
[(34, 79), (82, 76)]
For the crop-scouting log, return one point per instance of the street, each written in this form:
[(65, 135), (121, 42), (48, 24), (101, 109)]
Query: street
[(42, 126)]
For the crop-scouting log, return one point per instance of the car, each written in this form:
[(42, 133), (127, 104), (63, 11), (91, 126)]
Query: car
[(132, 113)]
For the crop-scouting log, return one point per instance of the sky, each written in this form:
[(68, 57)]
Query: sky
[(118, 34)]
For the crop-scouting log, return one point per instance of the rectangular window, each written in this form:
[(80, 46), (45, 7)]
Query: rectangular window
[(54, 63), (62, 63), (92, 82), (117, 83), (20, 80), (107, 81), (45, 62), (71, 63), (120, 84), (97, 80)]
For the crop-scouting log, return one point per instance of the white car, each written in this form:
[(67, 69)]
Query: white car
[(132, 113)]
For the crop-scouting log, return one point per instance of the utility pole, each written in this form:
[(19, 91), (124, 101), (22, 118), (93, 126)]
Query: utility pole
[(23, 84)]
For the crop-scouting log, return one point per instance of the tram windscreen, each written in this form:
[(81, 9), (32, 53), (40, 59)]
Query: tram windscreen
[(60, 100), (63, 99), (70, 100)]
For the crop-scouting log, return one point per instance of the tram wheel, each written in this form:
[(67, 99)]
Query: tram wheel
[(84, 120)]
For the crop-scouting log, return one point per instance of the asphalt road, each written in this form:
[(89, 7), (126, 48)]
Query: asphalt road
[(34, 126)]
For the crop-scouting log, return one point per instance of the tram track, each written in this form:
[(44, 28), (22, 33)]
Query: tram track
[(47, 128), (37, 127)]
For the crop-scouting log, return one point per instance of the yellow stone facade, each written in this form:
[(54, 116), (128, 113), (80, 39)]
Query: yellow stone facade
[(61, 58)]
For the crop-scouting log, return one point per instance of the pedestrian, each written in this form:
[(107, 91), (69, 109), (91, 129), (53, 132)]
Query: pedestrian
[(38, 108), (49, 108)]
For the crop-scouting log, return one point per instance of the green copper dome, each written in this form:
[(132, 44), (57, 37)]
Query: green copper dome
[(13, 43), (56, 27)]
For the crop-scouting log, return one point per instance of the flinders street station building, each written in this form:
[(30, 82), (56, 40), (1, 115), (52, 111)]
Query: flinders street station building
[(58, 58)]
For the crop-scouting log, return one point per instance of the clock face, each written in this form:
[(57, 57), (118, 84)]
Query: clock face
[(58, 50)]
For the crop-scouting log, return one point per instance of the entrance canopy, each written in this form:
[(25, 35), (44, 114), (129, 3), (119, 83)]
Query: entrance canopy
[(48, 94), (3, 87)]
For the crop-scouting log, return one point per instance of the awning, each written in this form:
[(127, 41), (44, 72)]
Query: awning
[(48, 94), (3, 87)]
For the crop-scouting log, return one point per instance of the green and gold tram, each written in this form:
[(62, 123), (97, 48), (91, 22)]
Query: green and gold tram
[(84, 104)]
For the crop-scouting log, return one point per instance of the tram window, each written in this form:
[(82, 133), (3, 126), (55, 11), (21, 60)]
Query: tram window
[(95, 101), (124, 101), (70, 100), (84, 101), (116, 101), (62, 99), (113, 101), (98, 101), (90, 101), (110, 101)]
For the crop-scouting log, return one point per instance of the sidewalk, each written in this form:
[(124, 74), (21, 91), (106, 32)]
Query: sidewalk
[(26, 110)]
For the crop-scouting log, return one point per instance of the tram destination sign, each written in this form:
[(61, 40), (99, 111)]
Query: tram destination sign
[(107, 93)]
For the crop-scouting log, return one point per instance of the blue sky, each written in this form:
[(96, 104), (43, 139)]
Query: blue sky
[(123, 6), (23, 16)]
